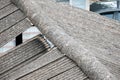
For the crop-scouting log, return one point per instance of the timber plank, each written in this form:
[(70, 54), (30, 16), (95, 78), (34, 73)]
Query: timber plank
[(11, 20), (50, 70), (4, 3), (73, 74), (7, 10), (14, 31), (20, 54), (35, 65)]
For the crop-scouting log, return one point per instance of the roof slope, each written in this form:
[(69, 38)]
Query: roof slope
[(85, 37), (33, 56), (79, 34)]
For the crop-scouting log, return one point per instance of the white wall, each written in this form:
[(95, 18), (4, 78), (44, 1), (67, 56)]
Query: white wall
[(84, 4)]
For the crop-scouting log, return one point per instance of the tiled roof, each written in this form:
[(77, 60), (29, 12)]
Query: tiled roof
[(32, 56), (86, 44)]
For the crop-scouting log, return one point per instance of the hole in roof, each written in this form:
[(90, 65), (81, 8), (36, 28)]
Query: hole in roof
[(28, 34)]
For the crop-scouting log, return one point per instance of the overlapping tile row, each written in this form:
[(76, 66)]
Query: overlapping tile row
[(51, 70), (21, 55)]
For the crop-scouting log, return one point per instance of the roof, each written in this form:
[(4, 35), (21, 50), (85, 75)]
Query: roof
[(87, 44), (33, 56)]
